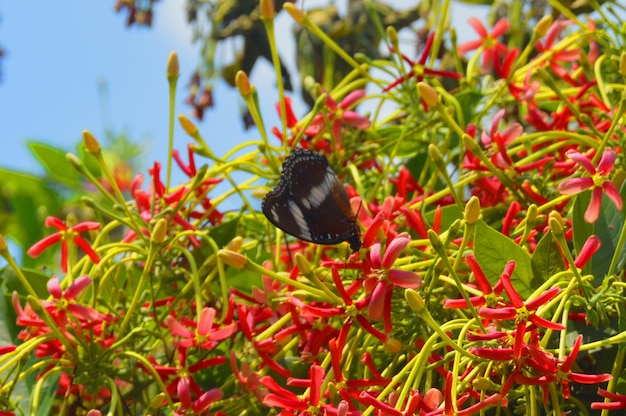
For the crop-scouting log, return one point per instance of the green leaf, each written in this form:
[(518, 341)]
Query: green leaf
[(607, 228), (56, 164), (224, 232), (546, 259), (28, 200), (493, 251), (37, 280)]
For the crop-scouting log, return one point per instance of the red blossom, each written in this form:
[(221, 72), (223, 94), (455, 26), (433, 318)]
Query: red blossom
[(521, 312), (488, 43), (64, 234), (598, 182), (338, 114)]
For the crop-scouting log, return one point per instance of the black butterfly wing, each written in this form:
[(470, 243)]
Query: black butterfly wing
[(310, 202)]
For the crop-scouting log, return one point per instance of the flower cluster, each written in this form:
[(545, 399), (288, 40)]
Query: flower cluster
[(487, 276)]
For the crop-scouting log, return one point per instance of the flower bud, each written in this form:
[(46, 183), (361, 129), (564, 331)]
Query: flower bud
[(392, 34), (295, 12), (187, 125), (392, 346), (435, 241), (415, 301), (555, 226), (303, 264), (173, 69), (543, 25), (267, 9), (159, 231), (75, 162), (91, 143), (235, 243), (428, 93), (3, 243), (622, 64), (472, 210), (243, 84), (482, 384), (232, 258), (158, 401)]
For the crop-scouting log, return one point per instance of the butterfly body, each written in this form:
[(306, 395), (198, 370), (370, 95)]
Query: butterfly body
[(311, 203)]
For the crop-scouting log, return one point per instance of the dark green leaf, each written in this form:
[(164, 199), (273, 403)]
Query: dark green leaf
[(546, 259), (493, 251), (607, 228)]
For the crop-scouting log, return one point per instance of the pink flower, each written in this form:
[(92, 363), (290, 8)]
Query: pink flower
[(598, 182)]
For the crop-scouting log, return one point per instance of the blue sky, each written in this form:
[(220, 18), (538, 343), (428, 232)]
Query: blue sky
[(58, 52)]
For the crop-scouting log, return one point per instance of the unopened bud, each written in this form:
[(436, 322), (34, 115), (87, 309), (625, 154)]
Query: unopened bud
[(622, 64), (295, 12), (435, 241), (91, 143), (235, 243), (472, 210), (76, 162), (393, 346), (158, 401), (415, 301), (232, 258), (482, 384), (303, 264), (543, 25), (428, 93), (267, 9), (3, 243), (555, 226), (243, 84), (173, 69), (159, 231), (392, 34), (187, 125)]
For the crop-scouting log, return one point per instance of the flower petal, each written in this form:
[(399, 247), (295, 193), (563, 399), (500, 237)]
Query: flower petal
[(607, 162), (574, 185), (393, 250), (611, 191), (581, 160), (593, 210)]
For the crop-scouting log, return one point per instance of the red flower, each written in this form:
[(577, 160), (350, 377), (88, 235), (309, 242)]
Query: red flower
[(204, 336), (64, 234), (419, 68), (488, 42), (340, 113), (598, 182), (521, 312), (618, 401)]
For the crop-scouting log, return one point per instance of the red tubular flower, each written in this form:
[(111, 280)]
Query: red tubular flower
[(490, 297), (591, 246), (521, 312), (565, 375), (618, 401), (64, 234), (340, 113), (488, 42), (556, 57), (598, 182), (419, 68), (204, 336), (500, 140)]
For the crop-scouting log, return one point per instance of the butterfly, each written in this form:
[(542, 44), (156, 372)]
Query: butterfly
[(310, 202)]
